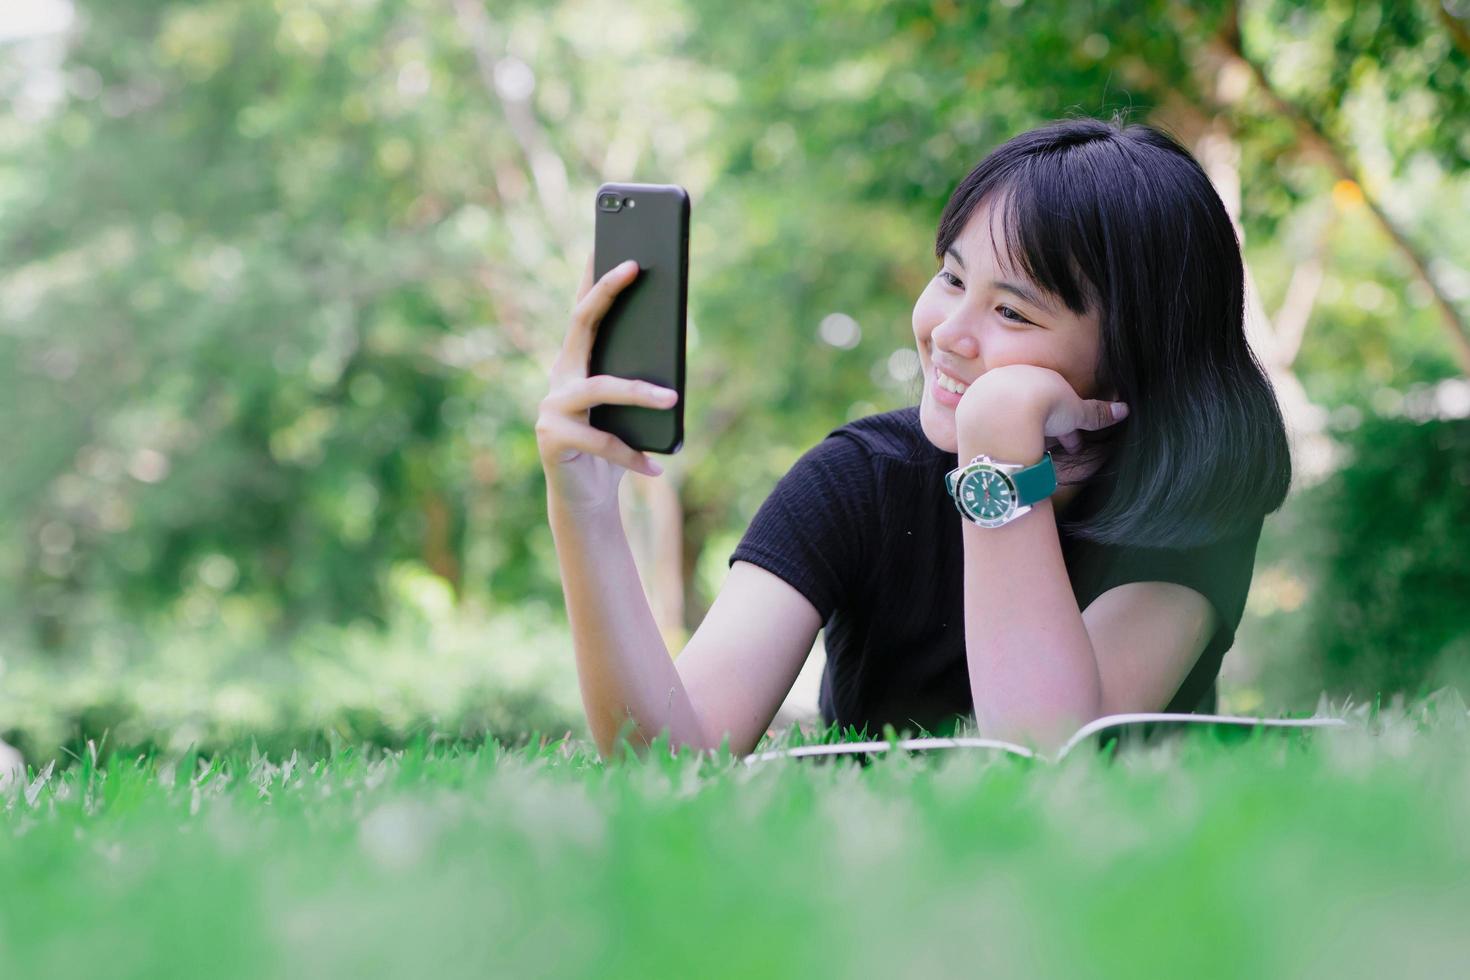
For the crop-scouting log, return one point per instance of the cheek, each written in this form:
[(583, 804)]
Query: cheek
[(928, 314), (1077, 366), (1007, 348)]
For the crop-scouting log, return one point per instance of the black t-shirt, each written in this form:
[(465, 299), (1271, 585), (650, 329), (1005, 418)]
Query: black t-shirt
[(863, 527)]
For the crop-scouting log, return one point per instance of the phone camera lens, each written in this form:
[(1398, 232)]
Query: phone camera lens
[(609, 202)]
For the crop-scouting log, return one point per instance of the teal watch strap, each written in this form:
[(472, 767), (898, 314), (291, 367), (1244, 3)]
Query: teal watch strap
[(1036, 482)]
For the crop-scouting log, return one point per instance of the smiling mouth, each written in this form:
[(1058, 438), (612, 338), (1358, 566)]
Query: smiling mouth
[(950, 384)]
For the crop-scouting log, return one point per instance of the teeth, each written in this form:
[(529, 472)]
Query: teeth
[(950, 384)]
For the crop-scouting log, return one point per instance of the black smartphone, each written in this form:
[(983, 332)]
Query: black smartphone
[(642, 336)]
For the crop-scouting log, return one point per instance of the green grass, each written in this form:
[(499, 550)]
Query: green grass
[(1335, 855)]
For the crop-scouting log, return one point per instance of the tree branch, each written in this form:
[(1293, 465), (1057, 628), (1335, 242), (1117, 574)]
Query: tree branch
[(1336, 159), (1456, 27), (548, 171), (1290, 322)]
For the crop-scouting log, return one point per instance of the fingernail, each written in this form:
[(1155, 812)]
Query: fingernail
[(668, 395), (655, 468), (1120, 410), (628, 266)]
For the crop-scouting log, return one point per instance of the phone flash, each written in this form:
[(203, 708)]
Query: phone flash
[(631, 202)]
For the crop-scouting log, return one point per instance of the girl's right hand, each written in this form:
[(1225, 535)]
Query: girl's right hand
[(584, 465)]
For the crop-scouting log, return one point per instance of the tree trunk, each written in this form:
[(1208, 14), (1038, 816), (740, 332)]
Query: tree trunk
[(1275, 342)]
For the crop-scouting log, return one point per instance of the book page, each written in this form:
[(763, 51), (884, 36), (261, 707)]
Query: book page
[(1119, 721)]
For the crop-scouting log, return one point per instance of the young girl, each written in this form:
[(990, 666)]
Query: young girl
[(1063, 527)]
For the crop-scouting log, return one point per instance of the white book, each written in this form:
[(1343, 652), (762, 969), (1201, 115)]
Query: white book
[(1124, 723)]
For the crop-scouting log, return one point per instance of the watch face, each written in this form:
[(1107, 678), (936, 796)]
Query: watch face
[(988, 495)]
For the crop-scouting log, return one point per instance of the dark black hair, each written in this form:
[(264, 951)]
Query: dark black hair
[(1122, 220)]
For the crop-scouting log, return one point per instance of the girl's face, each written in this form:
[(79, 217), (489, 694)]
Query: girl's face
[(976, 314)]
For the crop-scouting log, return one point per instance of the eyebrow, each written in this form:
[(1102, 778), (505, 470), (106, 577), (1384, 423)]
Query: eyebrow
[(1026, 294)]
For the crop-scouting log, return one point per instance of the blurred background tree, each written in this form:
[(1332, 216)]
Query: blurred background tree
[(280, 284), (1391, 608)]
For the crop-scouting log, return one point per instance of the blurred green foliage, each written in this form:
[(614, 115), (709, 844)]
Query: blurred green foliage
[(1393, 610), (433, 671), (280, 282)]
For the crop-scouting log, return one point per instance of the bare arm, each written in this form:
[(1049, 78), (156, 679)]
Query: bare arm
[(741, 662), (623, 667), (730, 678), (1033, 670), (1039, 667), (745, 655)]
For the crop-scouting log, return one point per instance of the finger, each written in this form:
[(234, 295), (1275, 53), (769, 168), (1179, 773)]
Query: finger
[(562, 438), (1101, 414), (588, 313), (1071, 442), (579, 395)]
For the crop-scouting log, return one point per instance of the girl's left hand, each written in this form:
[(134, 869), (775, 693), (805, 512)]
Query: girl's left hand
[(1024, 394)]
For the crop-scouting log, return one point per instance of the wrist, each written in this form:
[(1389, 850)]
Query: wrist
[(1003, 419), (591, 513), (1009, 438)]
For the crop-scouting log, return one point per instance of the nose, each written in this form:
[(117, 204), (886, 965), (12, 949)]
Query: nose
[(957, 337)]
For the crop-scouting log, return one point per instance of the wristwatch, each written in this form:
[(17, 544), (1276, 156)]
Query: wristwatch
[(991, 494)]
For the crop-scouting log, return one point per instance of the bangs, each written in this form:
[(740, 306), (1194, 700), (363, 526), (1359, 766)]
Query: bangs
[(1040, 218)]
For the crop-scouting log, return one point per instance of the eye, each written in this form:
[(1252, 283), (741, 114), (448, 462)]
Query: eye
[(951, 279), (1006, 313)]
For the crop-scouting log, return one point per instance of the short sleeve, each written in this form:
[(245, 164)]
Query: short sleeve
[(814, 528), (1220, 571)]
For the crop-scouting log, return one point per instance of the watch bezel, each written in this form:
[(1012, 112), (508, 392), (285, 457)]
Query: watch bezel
[(1011, 512)]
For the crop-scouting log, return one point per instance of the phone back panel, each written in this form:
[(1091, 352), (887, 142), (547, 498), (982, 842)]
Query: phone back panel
[(643, 334)]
